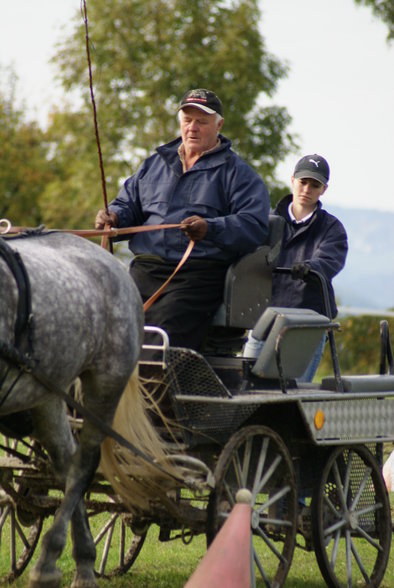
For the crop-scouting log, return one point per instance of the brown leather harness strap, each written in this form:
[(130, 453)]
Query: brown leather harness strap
[(148, 303), (112, 232)]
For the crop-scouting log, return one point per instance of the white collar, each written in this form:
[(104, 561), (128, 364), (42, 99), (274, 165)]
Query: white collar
[(293, 218)]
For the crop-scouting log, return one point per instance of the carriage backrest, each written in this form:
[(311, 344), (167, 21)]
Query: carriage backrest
[(248, 284)]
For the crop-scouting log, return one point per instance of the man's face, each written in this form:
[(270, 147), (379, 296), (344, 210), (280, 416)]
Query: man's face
[(199, 130), (307, 191)]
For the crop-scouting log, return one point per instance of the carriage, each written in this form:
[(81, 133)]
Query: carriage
[(310, 453)]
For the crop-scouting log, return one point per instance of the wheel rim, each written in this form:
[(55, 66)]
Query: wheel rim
[(351, 520), (257, 459)]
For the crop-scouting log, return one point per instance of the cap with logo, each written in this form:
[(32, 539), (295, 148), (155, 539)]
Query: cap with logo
[(204, 100), (313, 166)]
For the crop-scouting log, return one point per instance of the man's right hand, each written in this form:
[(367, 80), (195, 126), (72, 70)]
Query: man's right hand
[(105, 218)]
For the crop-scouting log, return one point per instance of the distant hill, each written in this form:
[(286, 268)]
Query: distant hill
[(367, 280)]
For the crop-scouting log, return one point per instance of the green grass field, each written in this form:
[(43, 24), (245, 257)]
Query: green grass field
[(170, 564)]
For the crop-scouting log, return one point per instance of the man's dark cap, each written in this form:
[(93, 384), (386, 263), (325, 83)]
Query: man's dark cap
[(313, 166), (204, 100)]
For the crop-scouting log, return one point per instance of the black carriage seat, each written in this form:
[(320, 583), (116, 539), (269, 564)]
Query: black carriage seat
[(295, 333), (248, 284), (361, 383)]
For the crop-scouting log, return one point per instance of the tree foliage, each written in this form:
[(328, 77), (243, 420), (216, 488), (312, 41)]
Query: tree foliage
[(145, 55), (24, 167), (383, 9)]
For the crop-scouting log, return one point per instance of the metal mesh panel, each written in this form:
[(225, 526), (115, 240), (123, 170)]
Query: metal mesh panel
[(190, 374)]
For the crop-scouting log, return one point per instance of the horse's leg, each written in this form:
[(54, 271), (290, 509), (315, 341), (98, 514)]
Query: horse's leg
[(83, 467), (77, 470), (100, 395), (52, 429)]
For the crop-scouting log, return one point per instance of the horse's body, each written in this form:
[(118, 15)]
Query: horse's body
[(87, 323)]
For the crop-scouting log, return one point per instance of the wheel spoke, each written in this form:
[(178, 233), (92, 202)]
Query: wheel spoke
[(107, 546), (346, 482), (370, 509), (257, 484), (110, 523), (361, 487), (370, 540), (246, 462), (349, 558), (273, 499), (21, 533), (270, 472), (360, 564), (335, 527), (261, 569), (330, 505), (238, 469), (4, 516), (271, 545), (335, 549), (339, 487), (13, 541), (122, 544), (229, 494)]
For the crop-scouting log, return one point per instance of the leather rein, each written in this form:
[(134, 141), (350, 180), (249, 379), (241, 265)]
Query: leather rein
[(6, 228)]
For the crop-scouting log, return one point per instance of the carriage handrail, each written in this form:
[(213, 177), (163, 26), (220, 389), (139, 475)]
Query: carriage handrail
[(163, 346)]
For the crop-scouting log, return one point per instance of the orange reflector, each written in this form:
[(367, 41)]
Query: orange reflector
[(319, 419)]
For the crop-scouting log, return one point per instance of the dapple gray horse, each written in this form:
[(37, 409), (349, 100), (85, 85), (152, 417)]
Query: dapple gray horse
[(68, 309)]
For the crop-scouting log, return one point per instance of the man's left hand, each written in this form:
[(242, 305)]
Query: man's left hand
[(195, 227)]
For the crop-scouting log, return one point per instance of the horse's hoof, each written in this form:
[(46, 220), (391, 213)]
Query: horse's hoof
[(84, 583), (40, 580)]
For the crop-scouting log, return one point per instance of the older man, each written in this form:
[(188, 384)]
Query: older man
[(221, 203)]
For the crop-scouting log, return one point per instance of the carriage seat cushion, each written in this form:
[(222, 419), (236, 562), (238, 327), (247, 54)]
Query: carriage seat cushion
[(298, 333), (364, 383)]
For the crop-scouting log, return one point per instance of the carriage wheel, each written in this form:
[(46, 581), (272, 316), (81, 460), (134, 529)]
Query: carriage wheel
[(19, 534), (257, 459), (117, 543), (351, 519)]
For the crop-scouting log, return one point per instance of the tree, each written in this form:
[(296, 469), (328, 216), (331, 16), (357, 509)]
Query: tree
[(24, 166), (145, 55), (383, 9)]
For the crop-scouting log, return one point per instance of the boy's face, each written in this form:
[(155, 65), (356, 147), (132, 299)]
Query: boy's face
[(307, 191)]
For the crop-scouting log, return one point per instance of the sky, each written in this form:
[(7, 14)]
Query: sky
[(339, 90)]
